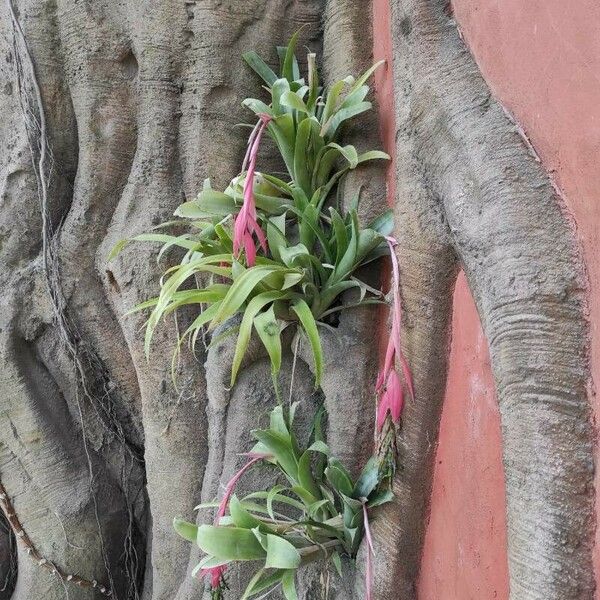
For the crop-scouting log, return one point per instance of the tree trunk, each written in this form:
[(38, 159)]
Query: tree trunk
[(98, 451)]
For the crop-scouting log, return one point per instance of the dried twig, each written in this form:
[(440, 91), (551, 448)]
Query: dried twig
[(24, 540)]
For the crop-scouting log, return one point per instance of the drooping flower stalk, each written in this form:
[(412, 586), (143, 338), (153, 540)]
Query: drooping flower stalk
[(216, 573), (246, 224), (370, 552), (389, 385)]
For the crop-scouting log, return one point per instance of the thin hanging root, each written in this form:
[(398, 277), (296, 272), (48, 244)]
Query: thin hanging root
[(26, 543), (92, 376)]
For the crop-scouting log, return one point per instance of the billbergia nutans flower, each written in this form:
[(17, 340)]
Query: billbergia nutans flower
[(216, 573), (389, 386), (246, 224)]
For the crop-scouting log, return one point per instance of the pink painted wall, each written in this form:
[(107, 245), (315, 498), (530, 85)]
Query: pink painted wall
[(541, 59)]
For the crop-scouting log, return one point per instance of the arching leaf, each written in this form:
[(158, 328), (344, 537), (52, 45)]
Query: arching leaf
[(230, 543), (309, 326)]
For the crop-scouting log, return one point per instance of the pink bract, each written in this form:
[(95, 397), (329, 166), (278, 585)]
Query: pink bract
[(246, 224), (388, 383)]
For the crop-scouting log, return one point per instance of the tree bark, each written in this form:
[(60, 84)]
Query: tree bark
[(99, 451)]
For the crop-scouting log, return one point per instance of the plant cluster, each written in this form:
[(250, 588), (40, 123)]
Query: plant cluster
[(282, 250), (318, 514), (310, 248)]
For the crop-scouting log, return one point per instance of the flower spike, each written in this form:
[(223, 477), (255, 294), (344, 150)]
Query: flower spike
[(388, 383), (245, 224), (370, 552), (216, 573)]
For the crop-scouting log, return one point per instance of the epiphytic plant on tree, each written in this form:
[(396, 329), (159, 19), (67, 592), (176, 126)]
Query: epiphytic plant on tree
[(283, 253)]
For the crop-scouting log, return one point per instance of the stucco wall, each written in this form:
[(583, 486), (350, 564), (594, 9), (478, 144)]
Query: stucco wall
[(541, 59)]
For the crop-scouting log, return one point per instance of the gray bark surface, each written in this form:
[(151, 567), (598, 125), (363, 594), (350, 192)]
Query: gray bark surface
[(99, 451)]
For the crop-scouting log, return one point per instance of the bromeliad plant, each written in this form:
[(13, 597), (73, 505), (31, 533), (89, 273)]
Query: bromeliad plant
[(319, 513), (309, 247), (282, 251)]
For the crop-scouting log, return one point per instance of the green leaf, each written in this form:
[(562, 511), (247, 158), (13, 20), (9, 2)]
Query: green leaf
[(315, 507), (180, 274), (200, 321), (380, 497), (310, 328), (368, 240), (304, 495), (373, 155), (320, 446), (313, 81), (208, 295), (329, 129), (323, 167), (166, 239), (216, 203), (368, 479), (354, 505), (212, 293), (333, 95), (309, 225), (260, 67), (308, 144), (352, 538), (188, 531), (258, 583), (271, 496), (348, 152), (363, 78), (116, 249), (281, 554), (292, 100), (288, 585), (305, 476), (195, 246), (269, 331), (261, 537), (367, 302), (337, 561), (272, 205), (206, 505), (240, 516), (281, 185), (241, 289), (348, 262), (291, 279), (254, 307), (384, 223), (300, 200), (341, 236), (212, 561), (191, 210), (292, 256), (338, 477), (355, 96), (230, 543), (282, 130), (289, 68), (280, 446), (257, 106), (278, 89), (278, 421)]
